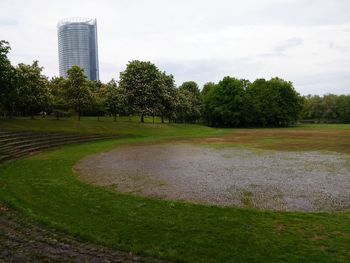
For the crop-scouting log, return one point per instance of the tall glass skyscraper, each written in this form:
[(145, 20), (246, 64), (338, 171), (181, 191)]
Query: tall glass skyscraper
[(77, 45)]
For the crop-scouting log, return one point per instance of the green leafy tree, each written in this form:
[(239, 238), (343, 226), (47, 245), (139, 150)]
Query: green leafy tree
[(344, 108), (330, 105), (142, 82), (257, 103), (313, 108), (78, 94), (58, 103), (8, 88), (207, 87), (166, 98), (223, 103), (98, 97), (285, 103), (271, 103), (183, 106), (245, 83), (33, 88), (191, 87), (115, 99), (327, 108), (192, 105)]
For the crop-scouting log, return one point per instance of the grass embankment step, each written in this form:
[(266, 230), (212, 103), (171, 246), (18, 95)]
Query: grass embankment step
[(43, 141), (37, 137), (4, 157), (41, 146), (18, 138), (9, 134), (14, 145), (28, 140)]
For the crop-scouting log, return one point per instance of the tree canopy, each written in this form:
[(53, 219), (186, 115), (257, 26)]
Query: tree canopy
[(77, 92), (144, 90), (115, 99), (32, 87), (327, 108), (234, 102), (8, 90), (223, 103)]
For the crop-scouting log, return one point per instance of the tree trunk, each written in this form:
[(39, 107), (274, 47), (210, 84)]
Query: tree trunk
[(162, 118), (78, 115), (115, 116), (12, 111), (142, 118), (57, 115), (32, 115)]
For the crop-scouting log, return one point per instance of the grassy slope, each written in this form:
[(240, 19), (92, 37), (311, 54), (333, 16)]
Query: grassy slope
[(45, 188), (106, 125)]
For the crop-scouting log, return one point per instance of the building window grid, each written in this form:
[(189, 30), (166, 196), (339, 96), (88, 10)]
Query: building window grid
[(77, 44)]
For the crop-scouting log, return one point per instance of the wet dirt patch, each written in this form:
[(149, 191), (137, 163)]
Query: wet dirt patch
[(271, 180)]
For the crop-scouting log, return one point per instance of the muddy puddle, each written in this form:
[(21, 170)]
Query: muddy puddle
[(271, 180)]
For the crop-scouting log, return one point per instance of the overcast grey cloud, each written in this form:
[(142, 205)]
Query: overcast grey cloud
[(304, 41), (289, 43)]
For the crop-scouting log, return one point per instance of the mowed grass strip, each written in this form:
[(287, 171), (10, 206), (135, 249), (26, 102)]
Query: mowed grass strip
[(45, 188), (106, 125)]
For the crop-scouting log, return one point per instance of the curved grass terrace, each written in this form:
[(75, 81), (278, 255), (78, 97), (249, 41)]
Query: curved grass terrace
[(44, 187)]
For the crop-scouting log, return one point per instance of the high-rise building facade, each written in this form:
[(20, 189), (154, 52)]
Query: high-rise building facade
[(77, 45)]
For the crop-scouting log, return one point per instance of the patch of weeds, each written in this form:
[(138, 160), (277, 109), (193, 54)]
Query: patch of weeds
[(247, 199)]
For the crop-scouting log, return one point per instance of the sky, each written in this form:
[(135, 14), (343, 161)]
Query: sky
[(306, 42)]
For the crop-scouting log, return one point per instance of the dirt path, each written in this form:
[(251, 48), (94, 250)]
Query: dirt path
[(22, 240), (272, 180)]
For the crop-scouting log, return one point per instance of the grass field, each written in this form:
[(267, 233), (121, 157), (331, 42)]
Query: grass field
[(106, 125), (45, 188)]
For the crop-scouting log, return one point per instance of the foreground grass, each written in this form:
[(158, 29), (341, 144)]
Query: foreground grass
[(45, 188)]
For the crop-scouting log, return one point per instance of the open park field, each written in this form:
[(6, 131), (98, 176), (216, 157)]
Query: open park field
[(191, 193)]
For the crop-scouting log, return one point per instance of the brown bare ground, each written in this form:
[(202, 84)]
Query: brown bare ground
[(286, 139)]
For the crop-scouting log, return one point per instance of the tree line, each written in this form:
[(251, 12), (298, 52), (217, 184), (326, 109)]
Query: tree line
[(145, 90), (329, 108), (142, 90)]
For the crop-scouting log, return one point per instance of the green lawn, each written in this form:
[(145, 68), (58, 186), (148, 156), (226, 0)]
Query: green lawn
[(45, 188), (106, 125)]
